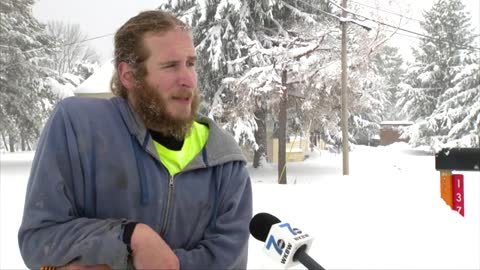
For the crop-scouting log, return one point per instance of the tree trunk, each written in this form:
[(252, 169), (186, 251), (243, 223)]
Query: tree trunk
[(23, 144), (282, 131), (11, 141), (5, 141), (261, 133)]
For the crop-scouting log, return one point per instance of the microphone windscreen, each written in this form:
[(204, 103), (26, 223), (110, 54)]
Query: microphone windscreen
[(260, 225)]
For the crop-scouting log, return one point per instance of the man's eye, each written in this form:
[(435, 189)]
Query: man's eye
[(191, 64)]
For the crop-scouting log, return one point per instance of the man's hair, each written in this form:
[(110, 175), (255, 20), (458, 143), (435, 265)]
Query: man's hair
[(129, 46)]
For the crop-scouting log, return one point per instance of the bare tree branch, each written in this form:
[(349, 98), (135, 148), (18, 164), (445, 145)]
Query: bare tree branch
[(71, 49)]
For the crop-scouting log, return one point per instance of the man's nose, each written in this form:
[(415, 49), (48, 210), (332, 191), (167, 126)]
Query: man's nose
[(187, 76)]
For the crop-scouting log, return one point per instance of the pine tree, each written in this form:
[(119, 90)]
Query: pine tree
[(456, 121), (440, 86), (387, 63), (25, 99)]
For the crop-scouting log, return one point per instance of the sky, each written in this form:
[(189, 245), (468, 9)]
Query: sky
[(99, 18), (95, 17), (413, 12), (387, 214)]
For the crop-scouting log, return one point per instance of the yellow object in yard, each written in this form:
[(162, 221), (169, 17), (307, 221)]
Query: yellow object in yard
[(296, 149)]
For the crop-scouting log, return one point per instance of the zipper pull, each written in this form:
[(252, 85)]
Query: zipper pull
[(170, 183)]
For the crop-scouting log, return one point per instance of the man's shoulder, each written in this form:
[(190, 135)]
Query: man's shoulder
[(84, 105), (83, 101), (88, 111), (221, 145)]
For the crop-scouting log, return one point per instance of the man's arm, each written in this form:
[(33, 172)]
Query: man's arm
[(150, 251), (52, 231), (225, 244)]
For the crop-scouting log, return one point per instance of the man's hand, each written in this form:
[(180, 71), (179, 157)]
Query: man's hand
[(149, 251)]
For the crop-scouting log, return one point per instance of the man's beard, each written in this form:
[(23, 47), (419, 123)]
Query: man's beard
[(152, 108)]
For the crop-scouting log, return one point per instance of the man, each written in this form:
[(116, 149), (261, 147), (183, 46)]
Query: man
[(138, 180)]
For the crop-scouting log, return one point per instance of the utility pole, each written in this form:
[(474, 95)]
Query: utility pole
[(345, 147), (282, 132)]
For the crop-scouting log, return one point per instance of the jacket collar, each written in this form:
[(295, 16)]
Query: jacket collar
[(220, 146)]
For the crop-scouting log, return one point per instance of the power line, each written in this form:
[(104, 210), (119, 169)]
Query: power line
[(402, 34), (321, 11), (387, 11), (55, 47), (74, 43), (301, 1), (408, 31)]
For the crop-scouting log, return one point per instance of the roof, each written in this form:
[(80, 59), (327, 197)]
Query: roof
[(98, 82)]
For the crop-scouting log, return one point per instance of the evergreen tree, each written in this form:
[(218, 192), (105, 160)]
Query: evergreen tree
[(456, 121), (387, 63), (25, 99), (441, 87)]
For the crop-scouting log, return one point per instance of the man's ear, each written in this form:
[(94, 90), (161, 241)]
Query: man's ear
[(125, 75)]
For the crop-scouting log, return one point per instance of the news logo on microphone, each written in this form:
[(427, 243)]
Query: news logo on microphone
[(283, 241)]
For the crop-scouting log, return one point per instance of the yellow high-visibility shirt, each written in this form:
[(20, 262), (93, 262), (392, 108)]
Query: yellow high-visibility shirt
[(176, 161)]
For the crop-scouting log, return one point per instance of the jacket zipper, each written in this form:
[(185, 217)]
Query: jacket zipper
[(167, 208)]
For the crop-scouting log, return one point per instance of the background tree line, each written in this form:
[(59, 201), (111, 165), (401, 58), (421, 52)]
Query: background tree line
[(244, 49), (39, 64)]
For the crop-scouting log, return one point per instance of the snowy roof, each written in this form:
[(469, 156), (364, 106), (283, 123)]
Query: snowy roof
[(396, 123), (98, 82)]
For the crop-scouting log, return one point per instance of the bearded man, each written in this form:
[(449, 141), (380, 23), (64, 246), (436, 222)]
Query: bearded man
[(140, 180)]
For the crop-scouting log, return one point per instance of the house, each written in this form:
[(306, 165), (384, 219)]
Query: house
[(98, 84), (390, 131)]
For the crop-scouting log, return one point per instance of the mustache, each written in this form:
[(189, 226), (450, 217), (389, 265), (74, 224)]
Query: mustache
[(184, 93)]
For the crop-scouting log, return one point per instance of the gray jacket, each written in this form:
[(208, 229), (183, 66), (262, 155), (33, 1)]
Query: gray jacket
[(96, 168)]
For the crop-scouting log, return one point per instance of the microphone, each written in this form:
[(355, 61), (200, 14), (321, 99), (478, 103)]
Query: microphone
[(285, 244)]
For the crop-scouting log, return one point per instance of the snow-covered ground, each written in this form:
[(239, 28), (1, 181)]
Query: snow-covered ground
[(387, 214)]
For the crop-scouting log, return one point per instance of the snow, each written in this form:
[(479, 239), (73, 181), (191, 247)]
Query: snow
[(367, 25), (387, 214), (223, 5), (99, 82), (301, 51), (76, 80), (397, 123), (62, 90)]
